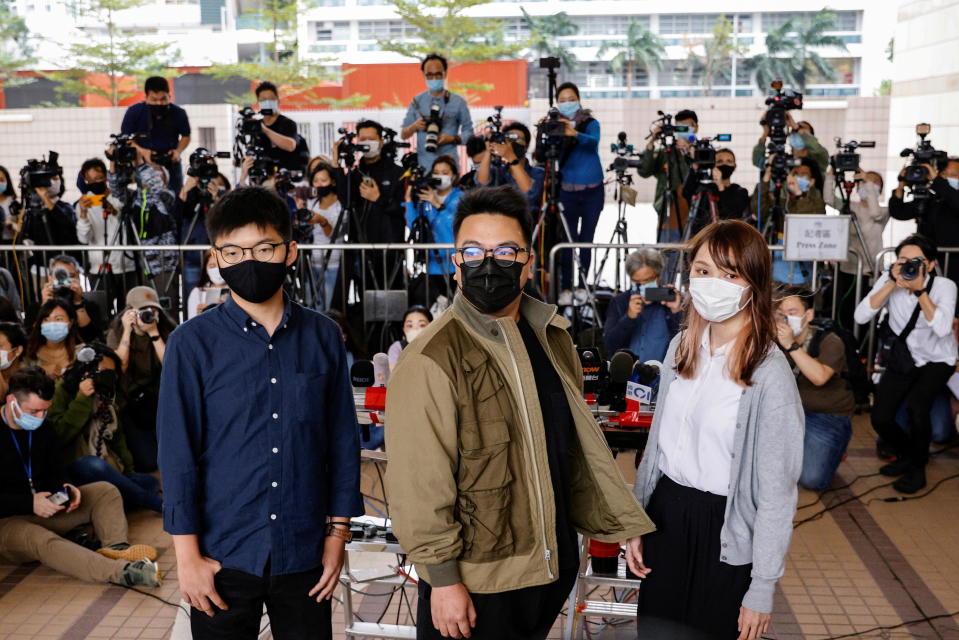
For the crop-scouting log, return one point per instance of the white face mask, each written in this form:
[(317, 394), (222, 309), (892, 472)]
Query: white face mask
[(411, 334), (54, 188), (214, 274), (5, 360), (374, 146), (716, 299), (270, 105), (445, 181), (795, 324)]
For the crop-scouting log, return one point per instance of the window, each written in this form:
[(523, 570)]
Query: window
[(743, 74), (844, 69), (515, 28), (682, 23), (607, 25), (385, 29), (845, 20), (367, 3), (599, 75), (743, 22), (679, 72), (332, 31)]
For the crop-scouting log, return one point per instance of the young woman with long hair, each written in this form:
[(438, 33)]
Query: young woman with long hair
[(719, 473)]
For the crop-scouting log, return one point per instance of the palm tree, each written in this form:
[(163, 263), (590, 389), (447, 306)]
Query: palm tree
[(789, 51), (777, 63), (641, 48), (544, 33)]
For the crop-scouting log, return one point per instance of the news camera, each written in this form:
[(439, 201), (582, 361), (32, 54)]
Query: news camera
[(779, 102), (203, 165), (847, 159), (38, 174), (417, 177), (347, 148), (915, 175), (390, 145), (626, 158)]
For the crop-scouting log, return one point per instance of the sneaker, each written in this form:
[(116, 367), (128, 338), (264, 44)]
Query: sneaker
[(142, 573), (897, 468), (128, 552), (565, 299), (912, 482)]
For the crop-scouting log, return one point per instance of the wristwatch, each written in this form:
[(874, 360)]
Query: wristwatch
[(155, 338), (795, 345), (339, 530), (919, 293)]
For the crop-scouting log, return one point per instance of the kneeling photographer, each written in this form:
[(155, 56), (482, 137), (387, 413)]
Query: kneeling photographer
[(919, 355), (65, 283), (431, 203), (732, 200), (85, 415)]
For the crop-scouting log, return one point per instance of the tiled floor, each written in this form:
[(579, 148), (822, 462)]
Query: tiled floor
[(867, 563)]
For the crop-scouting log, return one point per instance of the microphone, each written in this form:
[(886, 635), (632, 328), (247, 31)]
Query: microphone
[(620, 370), (381, 369), (594, 370), (647, 371), (367, 398)]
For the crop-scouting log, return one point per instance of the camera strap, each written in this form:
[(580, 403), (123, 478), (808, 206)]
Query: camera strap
[(915, 313), (28, 461)]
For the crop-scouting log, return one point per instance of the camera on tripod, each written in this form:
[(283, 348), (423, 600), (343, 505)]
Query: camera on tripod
[(390, 145), (203, 165), (38, 174), (668, 132), (916, 175), (124, 153), (417, 177), (285, 180), (625, 159), (779, 102), (347, 148), (434, 122), (847, 159), (704, 156)]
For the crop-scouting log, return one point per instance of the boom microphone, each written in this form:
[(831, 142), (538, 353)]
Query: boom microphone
[(381, 369), (620, 370)]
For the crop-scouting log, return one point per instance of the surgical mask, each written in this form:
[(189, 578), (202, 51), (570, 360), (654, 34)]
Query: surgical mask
[(445, 181), (270, 105), (716, 299), (726, 170), (5, 362), (795, 324), (255, 281), (435, 86), (568, 109), (490, 286), (411, 334), (213, 273), (55, 331), (803, 183), (3, 187), (953, 182), (796, 142), (374, 150), (25, 421), (54, 188), (641, 288)]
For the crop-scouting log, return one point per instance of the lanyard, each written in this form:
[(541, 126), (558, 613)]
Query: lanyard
[(28, 462)]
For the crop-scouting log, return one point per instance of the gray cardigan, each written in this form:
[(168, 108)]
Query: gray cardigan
[(766, 463)]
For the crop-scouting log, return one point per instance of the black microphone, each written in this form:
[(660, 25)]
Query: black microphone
[(361, 377), (620, 370), (594, 369), (646, 371)]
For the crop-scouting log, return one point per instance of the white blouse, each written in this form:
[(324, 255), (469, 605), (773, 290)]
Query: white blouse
[(699, 424)]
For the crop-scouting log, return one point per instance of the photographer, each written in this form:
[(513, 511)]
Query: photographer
[(633, 322), (429, 214), (939, 220), (818, 359), (166, 126), (670, 171), (53, 338), (921, 358), (325, 211), (65, 283), (455, 124), (139, 336), (733, 200), (476, 150), (802, 140), (32, 526), (279, 131), (53, 221), (85, 416), (9, 212), (99, 223), (193, 202), (514, 168)]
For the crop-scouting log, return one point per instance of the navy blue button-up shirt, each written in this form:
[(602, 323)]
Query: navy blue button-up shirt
[(258, 437)]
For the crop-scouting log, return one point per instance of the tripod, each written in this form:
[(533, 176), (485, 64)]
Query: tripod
[(620, 230)]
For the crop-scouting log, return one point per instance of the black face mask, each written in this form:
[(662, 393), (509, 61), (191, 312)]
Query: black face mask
[(159, 110), (520, 151), (322, 192), (254, 281), (96, 188), (105, 383), (726, 170), (490, 287)]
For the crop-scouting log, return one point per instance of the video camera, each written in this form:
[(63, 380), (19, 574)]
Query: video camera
[(38, 174), (203, 165), (390, 145), (916, 176), (625, 159), (434, 123), (668, 132), (249, 142), (779, 102), (847, 159), (124, 153), (347, 149), (417, 177)]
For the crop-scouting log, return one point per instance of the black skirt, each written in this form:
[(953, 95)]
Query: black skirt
[(689, 587)]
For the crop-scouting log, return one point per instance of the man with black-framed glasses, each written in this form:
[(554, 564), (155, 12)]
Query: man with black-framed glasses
[(495, 459), (259, 446)]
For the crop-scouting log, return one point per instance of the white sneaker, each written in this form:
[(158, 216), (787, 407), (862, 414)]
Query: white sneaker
[(565, 299)]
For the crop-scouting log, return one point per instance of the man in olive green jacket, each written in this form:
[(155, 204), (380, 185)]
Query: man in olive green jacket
[(495, 461)]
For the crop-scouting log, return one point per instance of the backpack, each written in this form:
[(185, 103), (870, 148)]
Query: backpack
[(856, 376)]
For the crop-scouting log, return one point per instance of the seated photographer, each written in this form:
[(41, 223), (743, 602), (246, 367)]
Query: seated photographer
[(920, 360), (818, 358), (733, 202), (939, 221), (194, 200), (670, 173), (64, 281), (475, 149), (166, 126), (85, 416), (506, 163), (325, 211), (803, 141), (415, 320), (139, 336), (210, 290), (98, 223), (455, 123), (53, 338), (429, 214), (37, 508), (13, 345), (279, 132), (633, 322)]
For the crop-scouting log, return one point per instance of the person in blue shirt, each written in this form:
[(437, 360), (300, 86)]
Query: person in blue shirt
[(506, 163), (166, 126), (581, 193), (457, 125), (634, 323), (259, 445), (429, 215)]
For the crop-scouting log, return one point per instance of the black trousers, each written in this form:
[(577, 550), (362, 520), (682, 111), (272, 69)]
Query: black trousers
[(294, 615), (919, 389), (690, 590), (521, 614)]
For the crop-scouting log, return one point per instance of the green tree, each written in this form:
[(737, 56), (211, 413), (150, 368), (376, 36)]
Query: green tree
[(719, 50), (443, 27), (641, 48), (113, 52), (545, 32), (16, 47), (790, 51)]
